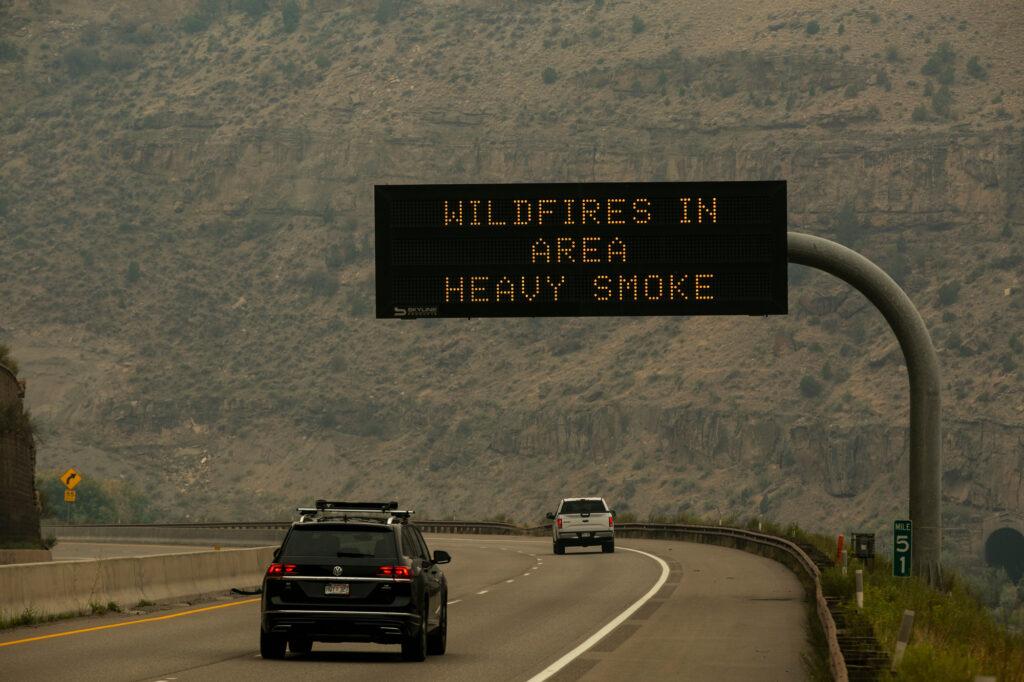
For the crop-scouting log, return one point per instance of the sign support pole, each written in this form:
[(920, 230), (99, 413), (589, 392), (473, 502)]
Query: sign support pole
[(925, 385)]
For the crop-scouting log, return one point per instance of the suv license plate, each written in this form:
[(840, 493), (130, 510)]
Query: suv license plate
[(336, 588)]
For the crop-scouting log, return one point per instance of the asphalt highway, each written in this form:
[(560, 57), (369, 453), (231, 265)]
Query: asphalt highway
[(669, 611)]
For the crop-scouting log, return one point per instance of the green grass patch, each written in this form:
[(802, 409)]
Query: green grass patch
[(32, 617), (98, 609), (954, 637)]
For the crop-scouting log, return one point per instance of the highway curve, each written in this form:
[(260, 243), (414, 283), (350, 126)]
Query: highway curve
[(517, 612)]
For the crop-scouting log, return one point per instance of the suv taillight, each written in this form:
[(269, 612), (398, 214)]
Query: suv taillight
[(280, 569), (610, 521), (558, 521), (396, 572)]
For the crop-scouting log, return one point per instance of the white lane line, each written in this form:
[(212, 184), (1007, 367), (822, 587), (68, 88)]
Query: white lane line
[(614, 623), (526, 575), (483, 591), (454, 601), (511, 580)]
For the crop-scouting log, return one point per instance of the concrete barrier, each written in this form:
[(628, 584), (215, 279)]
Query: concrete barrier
[(168, 535), (64, 587)]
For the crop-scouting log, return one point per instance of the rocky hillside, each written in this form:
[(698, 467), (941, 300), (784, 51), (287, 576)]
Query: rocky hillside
[(186, 249)]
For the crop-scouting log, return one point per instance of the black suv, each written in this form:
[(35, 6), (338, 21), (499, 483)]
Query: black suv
[(355, 572)]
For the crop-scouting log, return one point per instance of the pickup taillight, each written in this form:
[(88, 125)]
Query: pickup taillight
[(558, 521), (611, 522)]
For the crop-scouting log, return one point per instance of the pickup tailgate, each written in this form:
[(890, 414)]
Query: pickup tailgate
[(584, 522), (584, 515)]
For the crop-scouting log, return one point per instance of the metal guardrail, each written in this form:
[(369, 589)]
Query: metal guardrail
[(662, 531)]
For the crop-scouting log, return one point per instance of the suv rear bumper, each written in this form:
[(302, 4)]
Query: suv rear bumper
[(577, 539), (383, 627)]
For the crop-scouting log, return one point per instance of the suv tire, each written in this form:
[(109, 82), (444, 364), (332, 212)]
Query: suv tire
[(437, 641), (302, 646), (271, 646), (414, 648), (608, 547), (559, 547)]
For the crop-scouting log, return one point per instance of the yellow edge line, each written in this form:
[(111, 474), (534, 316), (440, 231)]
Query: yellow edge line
[(130, 622)]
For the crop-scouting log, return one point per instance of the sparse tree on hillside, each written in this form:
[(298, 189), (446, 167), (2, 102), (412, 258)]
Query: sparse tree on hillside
[(847, 226), (949, 293), (132, 274), (941, 64), (8, 51), (810, 387), (975, 69), (386, 11), (81, 61), (942, 102), (254, 8), (290, 14)]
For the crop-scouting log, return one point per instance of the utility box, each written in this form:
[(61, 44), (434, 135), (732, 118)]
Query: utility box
[(864, 545)]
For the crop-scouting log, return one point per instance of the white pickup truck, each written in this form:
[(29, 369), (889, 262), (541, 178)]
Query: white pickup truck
[(581, 522)]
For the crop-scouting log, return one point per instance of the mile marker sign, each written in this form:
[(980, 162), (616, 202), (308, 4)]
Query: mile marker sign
[(902, 536), (581, 249)]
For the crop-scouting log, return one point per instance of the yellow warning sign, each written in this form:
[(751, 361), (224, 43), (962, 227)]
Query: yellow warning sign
[(70, 495), (70, 478)]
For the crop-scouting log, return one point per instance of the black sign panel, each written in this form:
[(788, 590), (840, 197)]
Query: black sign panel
[(545, 250)]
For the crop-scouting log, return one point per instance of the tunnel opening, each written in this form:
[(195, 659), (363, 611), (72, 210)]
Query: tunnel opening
[(1005, 548)]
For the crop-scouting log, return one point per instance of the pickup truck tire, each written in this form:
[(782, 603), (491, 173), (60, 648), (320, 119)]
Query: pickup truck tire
[(608, 547), (559, 547)]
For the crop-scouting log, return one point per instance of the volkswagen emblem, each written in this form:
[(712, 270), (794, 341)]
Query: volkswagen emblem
[(337, 570)]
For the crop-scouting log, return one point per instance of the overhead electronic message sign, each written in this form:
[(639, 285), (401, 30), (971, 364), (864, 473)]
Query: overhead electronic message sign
[(582, 249)]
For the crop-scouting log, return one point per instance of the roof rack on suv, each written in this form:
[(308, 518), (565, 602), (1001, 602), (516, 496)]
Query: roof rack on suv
[(325, 510)]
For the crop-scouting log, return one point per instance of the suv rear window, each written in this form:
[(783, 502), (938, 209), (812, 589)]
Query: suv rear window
[(582, 507), (313, 541)]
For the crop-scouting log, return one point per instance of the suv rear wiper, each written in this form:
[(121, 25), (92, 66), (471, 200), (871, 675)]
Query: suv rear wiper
[(353, 554)]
